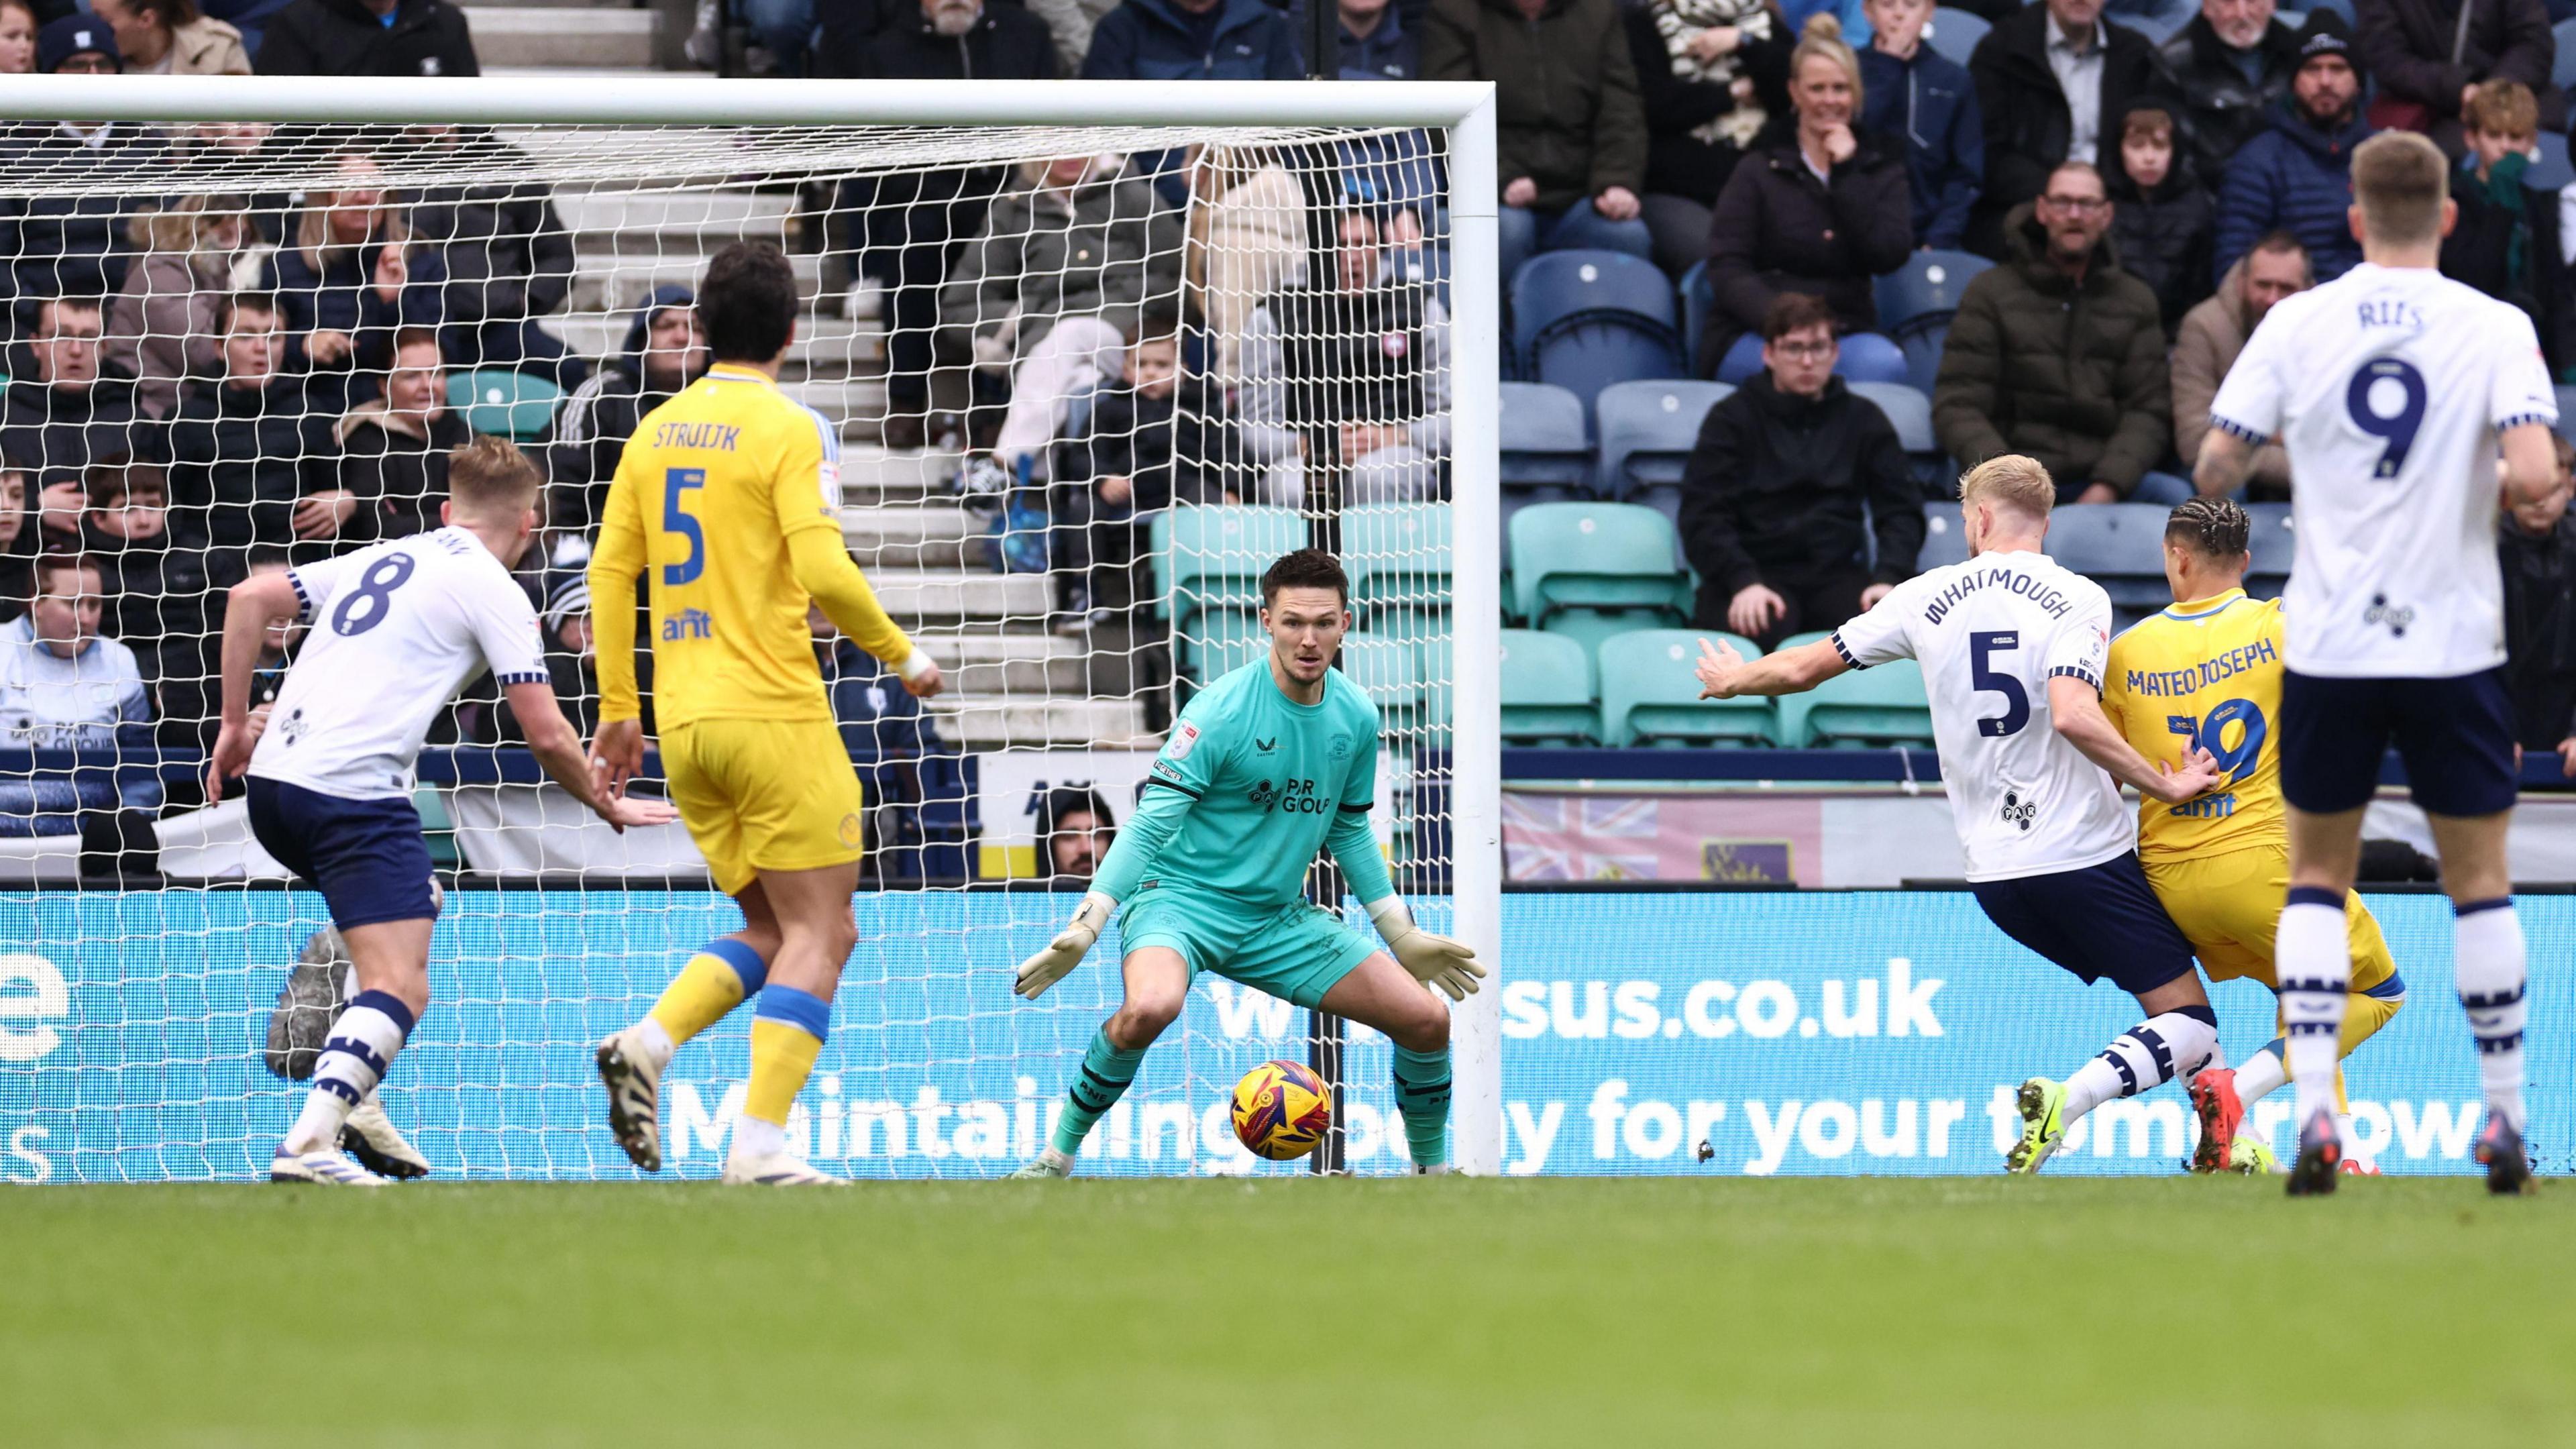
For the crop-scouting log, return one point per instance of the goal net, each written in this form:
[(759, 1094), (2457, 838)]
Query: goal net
[(1093, 361)]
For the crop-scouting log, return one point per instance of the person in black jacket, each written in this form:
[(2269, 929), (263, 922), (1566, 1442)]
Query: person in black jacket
[(2223, 70), (350, 272), (1790, 480), (247, 448), (665, 351), (1708, 89), (509, 259), (2032, 123), (1155, 441), (911, 223), (74, 243), (156, 586), (1820, 208), (2162, 219), (61, 414), (393, 464), (367, 37), (2536, 549)]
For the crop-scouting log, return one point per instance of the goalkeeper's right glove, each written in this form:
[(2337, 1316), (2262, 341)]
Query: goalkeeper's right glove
[(1066, 951), (1433, 960)]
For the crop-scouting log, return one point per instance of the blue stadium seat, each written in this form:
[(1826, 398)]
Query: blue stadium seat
[(1928, 285), (2566, 412), (1954, 33), (1595, 556), (1547, 690), (2562, 71), (1870, 357), (1699, 300), (1213, 556), (1545, 441), (2274, 548), (1650, 696), (2552, 170), (1884, 705), (1907, 409), (1586, 319), (1945, 538), (1647, 432), (2117, 545)]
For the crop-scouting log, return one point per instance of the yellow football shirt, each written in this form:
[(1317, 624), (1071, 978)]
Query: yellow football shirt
[(708, 492), (2208, 673)]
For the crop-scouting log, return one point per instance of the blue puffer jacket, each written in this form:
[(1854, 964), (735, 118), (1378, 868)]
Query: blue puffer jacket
[(1930, 105), (2292, 177), (1153, 40)]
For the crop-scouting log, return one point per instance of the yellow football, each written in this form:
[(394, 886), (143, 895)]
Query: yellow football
[(1281, 1110)]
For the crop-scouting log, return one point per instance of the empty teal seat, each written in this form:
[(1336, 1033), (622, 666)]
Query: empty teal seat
[(1590, 627), (1547, 689), (1397, 555), (1884, 705), (1650, 694), (504, 402), (1214, 557), (1593, 555), (1391, 675), (1211, 642)]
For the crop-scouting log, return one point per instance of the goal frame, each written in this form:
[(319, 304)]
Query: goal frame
[(1464, 109)]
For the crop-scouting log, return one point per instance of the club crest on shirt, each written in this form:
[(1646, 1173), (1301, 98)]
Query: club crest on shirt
[(851, 835), (1341, 749)]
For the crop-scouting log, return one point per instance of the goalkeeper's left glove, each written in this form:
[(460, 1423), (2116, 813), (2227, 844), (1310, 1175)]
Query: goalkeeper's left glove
[(1434, 960), (1066, 951)]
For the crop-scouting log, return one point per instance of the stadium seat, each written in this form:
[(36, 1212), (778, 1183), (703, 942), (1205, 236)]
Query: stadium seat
[(2117, 545), (1884, 705), (496, 400), (1917, 301), (1910, 411), (2562, 71), (1590, 627), (1865, 356), (2343, 8), (1211, 641), (1214, 555), (1593, 555), (1586, 319), (1945, 537), (2551, 171), (2273, 547), (1649, 694), (1953, 34), (1547, 450), (1547, 690), (2566, 411), (1698, 301), (1398, 557), (1391, 673), (1647, 432)]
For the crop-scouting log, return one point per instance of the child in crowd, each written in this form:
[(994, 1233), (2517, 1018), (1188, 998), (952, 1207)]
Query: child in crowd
[(2162, 221), (2537, 551), (156, 593), (2506, 242)]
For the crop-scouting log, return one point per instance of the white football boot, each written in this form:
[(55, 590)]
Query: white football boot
[(326, 1167), (369, 1137), (634, 1083), (775, 1169)]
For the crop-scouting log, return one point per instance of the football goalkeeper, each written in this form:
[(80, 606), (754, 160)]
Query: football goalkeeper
[(1270, 762)]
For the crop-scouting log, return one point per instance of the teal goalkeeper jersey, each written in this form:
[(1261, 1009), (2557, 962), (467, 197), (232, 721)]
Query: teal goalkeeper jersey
[(1268, 778)]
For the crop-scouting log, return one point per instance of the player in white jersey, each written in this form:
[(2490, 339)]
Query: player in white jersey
[(2012, 648), (2393, 387), (398, 627)]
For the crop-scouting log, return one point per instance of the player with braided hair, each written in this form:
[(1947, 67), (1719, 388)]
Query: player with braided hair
[(2208, 670)]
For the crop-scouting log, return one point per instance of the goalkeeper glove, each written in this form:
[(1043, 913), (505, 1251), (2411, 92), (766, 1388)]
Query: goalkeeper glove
[(1434, 960), (1066, 951)]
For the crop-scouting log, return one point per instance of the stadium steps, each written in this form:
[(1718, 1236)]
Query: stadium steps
[(958, 594), (871, 477), (990, 723), (988, 667), (690, 221), (609, 281), (562, 35), (924, 536)]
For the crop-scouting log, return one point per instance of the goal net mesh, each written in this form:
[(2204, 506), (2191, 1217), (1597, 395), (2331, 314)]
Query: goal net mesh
[(1088, 382)]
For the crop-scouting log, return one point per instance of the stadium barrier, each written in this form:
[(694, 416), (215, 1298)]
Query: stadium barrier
[(1793, 1033)]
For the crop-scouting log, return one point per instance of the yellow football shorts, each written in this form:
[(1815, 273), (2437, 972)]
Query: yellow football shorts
[(764, 795), (2229, 908)]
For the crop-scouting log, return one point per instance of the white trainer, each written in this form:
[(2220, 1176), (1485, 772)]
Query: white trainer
[(327, 1167), (634, 1086), (1049, 1166), (369, 1137), (775, 1169)]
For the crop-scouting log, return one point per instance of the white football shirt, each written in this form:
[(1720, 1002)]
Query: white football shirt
[(1990, 633), (396, 629), (2389, 386)]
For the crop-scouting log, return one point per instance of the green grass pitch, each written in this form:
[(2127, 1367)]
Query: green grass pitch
[(1882, 1313)]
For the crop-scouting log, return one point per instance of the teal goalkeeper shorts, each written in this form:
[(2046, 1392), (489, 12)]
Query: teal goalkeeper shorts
[(1296, 953)]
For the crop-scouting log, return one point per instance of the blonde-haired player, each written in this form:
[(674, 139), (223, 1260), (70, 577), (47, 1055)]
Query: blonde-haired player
[(729, 493), (2207, 673)]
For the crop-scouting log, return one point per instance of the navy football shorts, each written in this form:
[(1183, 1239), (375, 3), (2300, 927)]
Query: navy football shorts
[(365, 856), (2455, 735), (2103, 923)]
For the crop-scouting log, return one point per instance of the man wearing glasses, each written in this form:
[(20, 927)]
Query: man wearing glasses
[(1791, 476), (2060, 355)]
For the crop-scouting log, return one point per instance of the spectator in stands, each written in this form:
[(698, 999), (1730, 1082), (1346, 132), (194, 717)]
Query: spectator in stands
[(1382, 41), (368, 37), (1792, 477), (1157, 440), (349, 275), (2427, 56), (161, 329), (1376, 43), (1819, 209), (2161, 217), (2536, 549), (2052, 82), (2506, 242), (2059, 354), (17, 545), (912, 222), (1050, 291), (191, 695), (246, 448), (63, 685), (393, 454), (877, 715), (2296, 176), (156, 591), (665, 350), (72, 243), (61, 414), (1915, 95), (1247, 240), (1710, 74), (572, 661), (2224, 70), (1169, 40), (1572, 134), (1345, 392), (17, 37), (1074, 830), (2214, 332), (507, 256), (1070, 23), (171, 37)]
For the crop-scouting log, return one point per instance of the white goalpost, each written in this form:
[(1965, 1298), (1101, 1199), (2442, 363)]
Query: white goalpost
[(245, 322)]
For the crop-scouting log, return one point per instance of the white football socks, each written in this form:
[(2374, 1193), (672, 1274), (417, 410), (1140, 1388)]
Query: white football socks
[(2144, 1057), (360, 1050), (2312, 959), (2261, 1076), (2487, 961)]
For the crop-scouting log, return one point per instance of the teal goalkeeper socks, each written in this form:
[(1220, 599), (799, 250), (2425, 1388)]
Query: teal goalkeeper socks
[(1106, 1072), (1422, 1095)]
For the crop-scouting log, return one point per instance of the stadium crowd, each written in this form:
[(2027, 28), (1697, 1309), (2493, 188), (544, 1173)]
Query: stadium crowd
[(203, 385)]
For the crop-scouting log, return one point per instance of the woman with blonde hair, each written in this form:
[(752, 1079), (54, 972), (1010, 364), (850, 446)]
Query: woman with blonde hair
[(161, 328), (350, 275), (171, 37), (1247, 240)]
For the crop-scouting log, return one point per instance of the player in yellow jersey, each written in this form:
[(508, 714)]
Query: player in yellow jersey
[(2207, 673), (728, 499)]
